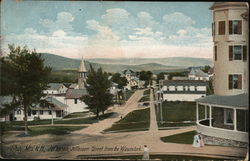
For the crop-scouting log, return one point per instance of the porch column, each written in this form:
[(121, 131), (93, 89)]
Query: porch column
[(210, 116), (235, 120), (197, 112), (205, 111)]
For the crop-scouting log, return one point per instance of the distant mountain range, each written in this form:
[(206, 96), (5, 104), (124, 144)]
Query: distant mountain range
[(155, 65)]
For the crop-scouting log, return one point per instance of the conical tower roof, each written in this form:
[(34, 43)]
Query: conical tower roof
[(82, 67)]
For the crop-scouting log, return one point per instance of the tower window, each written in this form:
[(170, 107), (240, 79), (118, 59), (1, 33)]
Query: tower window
[(237, 52), (235, 81), (222, 27), (235, 27), (215, 53)]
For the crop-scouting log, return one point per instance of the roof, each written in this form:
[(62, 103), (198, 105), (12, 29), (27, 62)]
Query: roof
[(82, 67), (184, 92), (54, 86), (128, 71), (228, 4), (198, 72), (240, 100), (57, 105), (185, 83), (74, 85), (75, 93)]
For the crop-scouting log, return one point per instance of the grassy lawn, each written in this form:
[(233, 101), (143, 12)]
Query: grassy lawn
[(183, 138), (129, 94), (53, 130), (134, 121), (146, 92), (177, 112), (77, 114), (18, 125), (158, 157), (145, 98)]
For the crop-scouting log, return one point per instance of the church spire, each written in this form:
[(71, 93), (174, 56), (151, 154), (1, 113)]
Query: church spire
[(82, 74), (82, 66)]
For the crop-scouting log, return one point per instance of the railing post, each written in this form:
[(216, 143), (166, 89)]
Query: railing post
[(205, 111), (210, 116), (197, 112), (235, 120)]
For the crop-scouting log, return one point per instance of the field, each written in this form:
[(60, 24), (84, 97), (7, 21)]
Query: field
[(137, 120), (177, 114)]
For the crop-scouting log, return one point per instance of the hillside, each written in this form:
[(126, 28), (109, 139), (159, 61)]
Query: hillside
[(116, 65)]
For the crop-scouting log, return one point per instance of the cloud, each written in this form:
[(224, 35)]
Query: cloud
[(178, 18), (63, 21), (57, 41), (115, 16), (146, 20)]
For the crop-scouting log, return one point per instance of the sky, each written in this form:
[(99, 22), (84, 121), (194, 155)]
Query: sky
[(95, 29)]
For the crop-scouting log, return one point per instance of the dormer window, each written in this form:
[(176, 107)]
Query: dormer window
[(235, 27)]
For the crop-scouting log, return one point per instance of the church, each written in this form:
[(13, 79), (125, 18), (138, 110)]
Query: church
[(72, 97)]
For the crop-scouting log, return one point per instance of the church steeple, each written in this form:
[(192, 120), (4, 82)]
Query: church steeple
[(82, 74)]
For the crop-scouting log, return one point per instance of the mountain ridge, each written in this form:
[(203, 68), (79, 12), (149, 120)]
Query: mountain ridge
[(116, 65)]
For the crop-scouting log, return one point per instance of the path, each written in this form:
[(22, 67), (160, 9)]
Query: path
[(153, 123), (130, 105)]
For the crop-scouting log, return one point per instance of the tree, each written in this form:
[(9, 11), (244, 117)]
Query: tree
[(160, 76), (146, 76), (25, 79), (206, 68), (97, 85), (121, 81)]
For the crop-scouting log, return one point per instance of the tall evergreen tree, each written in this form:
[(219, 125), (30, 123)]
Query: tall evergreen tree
[(24, 77), (97, 85)]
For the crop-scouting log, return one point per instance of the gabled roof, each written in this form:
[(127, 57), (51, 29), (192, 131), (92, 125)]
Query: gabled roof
[(75, 93), (240, 100), (57, 105), (82, 67), (73, 86), (54, 86), (127, 71), (198, 72)]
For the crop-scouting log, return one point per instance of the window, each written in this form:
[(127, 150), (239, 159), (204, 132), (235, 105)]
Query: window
[(228, 116), (235, 27), (18, 112), (50, 113), (237, 52), (235, 81), (213, 29), (222, 27), (33, 112), (29, 113), (41, 112), (215, 53), (76, 101)]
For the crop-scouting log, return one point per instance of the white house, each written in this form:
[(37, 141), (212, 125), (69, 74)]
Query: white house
[(226, 118), (183, 90), (73, 101), (197, 74), (51, 109), (55, 88), (131, 77)]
